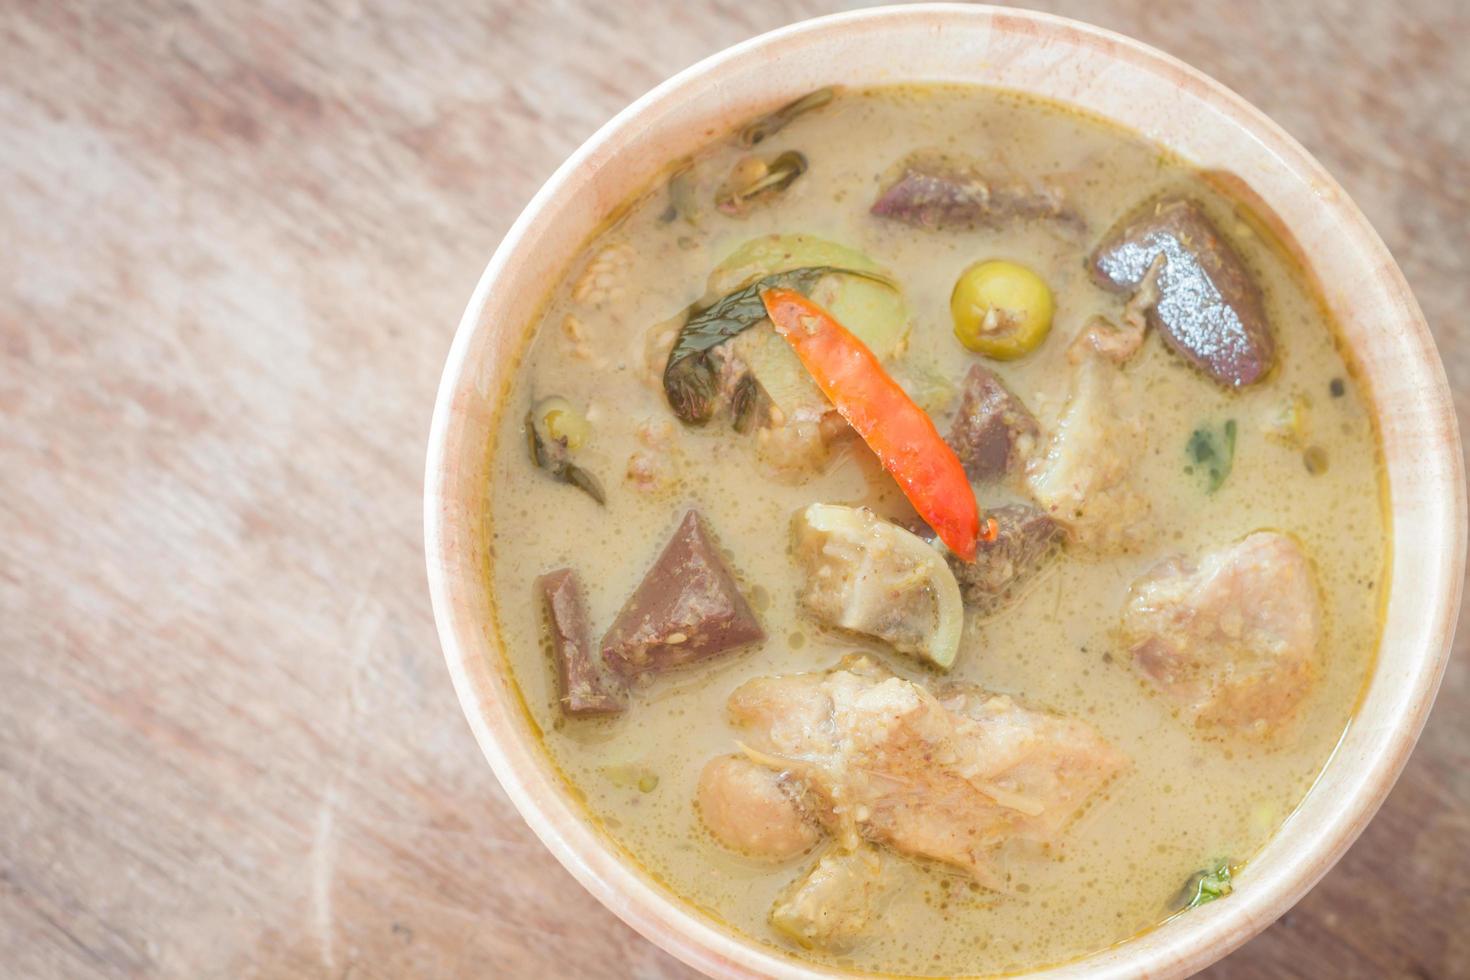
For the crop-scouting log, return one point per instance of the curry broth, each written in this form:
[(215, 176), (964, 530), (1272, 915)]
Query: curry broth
[(1187, 800)]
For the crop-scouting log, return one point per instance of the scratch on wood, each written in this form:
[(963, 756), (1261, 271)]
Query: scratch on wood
[(323, 872), (364, 624)]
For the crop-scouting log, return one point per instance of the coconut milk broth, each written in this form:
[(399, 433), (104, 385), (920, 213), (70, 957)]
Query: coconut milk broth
[(1187, 801)]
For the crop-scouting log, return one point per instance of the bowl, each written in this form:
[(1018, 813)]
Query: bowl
[(1113, 77)]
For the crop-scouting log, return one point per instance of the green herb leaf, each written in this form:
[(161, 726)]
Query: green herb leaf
[(1211, 453), (691, 377), (553, 456), (1205, 886), (752, 133)]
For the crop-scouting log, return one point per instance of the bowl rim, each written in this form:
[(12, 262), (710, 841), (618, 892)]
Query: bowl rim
[(597, 862)]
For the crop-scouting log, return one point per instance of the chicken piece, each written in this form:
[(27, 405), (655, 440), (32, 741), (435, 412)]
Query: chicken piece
[(1119, 344), (1083, 481), (794, 425), (993, 434), (654, 467), (831, 906), (791, 425), (885, 759), (1025, 540), (574, 335), (687, 608), (753, 810), (1233, 636), (605, 278), (876, 578), (792, 448), (1205, 304)]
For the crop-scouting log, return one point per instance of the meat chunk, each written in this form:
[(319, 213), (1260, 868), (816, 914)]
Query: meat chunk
[(687, 608), (941, 194), (872, 577), (953, 779), (1117, 344), (793, 447), (586, 686), (1084, 479), (1208, 307), (774, 398), (759, 384), (655, 466), (831, 906), (1026, 539), (753, 810), (993, 433), (1231, 637), (605, 279)]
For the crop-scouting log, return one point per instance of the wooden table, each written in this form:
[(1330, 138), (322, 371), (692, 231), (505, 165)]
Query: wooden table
[(235, 240)]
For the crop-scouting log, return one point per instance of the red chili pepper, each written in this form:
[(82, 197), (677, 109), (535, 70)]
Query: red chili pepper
[(899, 433)]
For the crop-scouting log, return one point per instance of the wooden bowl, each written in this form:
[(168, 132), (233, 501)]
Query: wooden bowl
[(1114, 77)]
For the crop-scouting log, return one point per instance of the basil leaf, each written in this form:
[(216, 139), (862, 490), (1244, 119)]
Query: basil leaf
[(691, 376), (1211, 454), (1205, 886)]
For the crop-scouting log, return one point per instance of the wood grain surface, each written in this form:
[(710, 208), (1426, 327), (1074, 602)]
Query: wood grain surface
[(235, 240)]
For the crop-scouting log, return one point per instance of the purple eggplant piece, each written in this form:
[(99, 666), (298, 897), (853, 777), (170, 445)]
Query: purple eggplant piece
[(935, 196), (1209, 308)]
